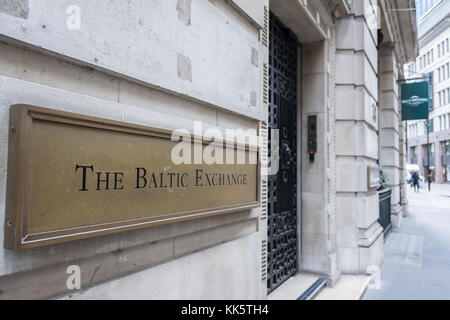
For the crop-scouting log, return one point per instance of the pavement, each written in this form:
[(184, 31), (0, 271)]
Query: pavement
[(417, 258)]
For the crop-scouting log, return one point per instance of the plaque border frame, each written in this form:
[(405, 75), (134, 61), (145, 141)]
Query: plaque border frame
[(19, 149)]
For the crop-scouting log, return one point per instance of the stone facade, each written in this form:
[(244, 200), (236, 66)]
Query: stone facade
[(168, 64)]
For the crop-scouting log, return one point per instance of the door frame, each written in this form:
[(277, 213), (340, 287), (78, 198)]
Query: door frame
[(299, 156)]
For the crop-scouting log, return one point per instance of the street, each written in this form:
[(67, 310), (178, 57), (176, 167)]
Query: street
[(417, 258)]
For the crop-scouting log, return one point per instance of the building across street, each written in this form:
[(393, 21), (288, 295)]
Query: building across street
[(434, 62)]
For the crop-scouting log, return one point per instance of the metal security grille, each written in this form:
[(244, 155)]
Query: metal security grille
[(385, 211), (282, 187)]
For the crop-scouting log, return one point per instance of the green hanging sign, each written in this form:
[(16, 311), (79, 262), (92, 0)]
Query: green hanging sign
[(415, 100)]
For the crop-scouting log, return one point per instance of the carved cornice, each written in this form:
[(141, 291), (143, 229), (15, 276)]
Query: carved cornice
[(337, 8)]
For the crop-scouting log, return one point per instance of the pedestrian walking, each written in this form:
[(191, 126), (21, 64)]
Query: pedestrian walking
[(415, 179)]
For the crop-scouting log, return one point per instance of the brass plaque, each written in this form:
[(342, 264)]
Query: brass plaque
[(72, 176)]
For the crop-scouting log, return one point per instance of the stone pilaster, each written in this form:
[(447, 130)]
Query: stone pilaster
[(390, 130), (438, 160), (403, 160), (359, 235)]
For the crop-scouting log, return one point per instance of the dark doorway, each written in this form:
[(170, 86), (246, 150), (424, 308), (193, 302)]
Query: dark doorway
[(282, 187)]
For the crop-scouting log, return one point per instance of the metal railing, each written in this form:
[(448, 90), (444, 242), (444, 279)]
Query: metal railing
[(385, 210)]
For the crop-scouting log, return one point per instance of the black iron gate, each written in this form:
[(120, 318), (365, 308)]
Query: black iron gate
[(282, 187)]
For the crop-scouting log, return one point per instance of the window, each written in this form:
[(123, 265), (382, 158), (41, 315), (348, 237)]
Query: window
[(439, 50), (431, 126), (414, 154), (445, 148), (425, 149)]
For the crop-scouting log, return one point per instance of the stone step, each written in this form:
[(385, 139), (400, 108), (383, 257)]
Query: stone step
[(300, 287), (348, 287)]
